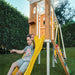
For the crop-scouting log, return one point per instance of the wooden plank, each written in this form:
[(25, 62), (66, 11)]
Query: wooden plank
[(47, 19), (32, 19), (33, 1), (61, 59), (31, 10), (29, 29)]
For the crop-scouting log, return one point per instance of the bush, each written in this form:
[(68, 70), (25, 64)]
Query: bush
[(69, 35), (13, 27)]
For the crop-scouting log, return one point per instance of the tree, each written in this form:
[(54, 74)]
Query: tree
[(64, 12), (69, 35), (13, 27)]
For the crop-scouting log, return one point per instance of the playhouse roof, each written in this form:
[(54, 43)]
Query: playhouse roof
[(33, 1)]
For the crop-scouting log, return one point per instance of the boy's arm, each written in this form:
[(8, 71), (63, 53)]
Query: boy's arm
[(17, 51)]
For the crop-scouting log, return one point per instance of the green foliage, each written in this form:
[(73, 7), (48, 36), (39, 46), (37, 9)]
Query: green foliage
[(13, 27), (64, 12), (69, 35)]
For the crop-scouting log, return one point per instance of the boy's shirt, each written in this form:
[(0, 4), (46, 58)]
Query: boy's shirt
[(28, 53)]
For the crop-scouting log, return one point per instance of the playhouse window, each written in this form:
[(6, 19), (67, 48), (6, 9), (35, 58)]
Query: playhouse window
[(34, 10), (43, 22)]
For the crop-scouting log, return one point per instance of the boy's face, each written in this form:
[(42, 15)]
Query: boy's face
[(29, 41), (32, 37)]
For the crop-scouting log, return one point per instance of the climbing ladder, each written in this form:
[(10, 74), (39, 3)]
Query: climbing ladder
[(61, 59)]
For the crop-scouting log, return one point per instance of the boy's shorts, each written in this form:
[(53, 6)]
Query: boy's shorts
[(22, 65)]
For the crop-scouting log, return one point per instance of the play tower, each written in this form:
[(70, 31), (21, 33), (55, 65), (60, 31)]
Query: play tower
[(44, 25), (43, 21)]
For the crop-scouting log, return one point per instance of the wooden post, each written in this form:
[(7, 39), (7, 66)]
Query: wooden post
[(47, 31), (53, 58), (48, 56), (30, 17), (47, 19), (62, 42)]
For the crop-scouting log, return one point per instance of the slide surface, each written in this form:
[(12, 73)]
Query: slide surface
[(61, 59), (38, 47)]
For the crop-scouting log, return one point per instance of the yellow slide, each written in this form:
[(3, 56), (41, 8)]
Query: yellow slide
[(38, 47)]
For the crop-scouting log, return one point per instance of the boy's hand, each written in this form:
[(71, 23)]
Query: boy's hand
[(12, 51)]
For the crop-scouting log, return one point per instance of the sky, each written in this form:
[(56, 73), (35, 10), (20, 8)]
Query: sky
[(24, 6), (21, 5)]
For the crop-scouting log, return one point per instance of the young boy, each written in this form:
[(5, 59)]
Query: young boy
[(24, 62)]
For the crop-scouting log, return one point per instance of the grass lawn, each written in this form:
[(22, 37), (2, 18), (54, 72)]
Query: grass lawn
[(7, 59)]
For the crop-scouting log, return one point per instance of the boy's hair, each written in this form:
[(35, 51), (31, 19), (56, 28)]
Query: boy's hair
[(32, 34), (29, 35)]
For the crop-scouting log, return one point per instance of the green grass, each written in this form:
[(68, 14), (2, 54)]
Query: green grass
[(8, 59)]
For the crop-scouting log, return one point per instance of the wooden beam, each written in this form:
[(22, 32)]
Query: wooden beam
[(47, 19), (32, 19)]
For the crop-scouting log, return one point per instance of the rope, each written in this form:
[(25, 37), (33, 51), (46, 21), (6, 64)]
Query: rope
[(55, 34), (58, 38)]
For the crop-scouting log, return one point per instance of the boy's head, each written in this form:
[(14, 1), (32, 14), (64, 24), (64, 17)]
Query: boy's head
[(29, 41)]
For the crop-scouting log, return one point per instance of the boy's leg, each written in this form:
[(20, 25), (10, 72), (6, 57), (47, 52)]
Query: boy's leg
[(19, 73), (15, 64), (55, 58), (23, 67)]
